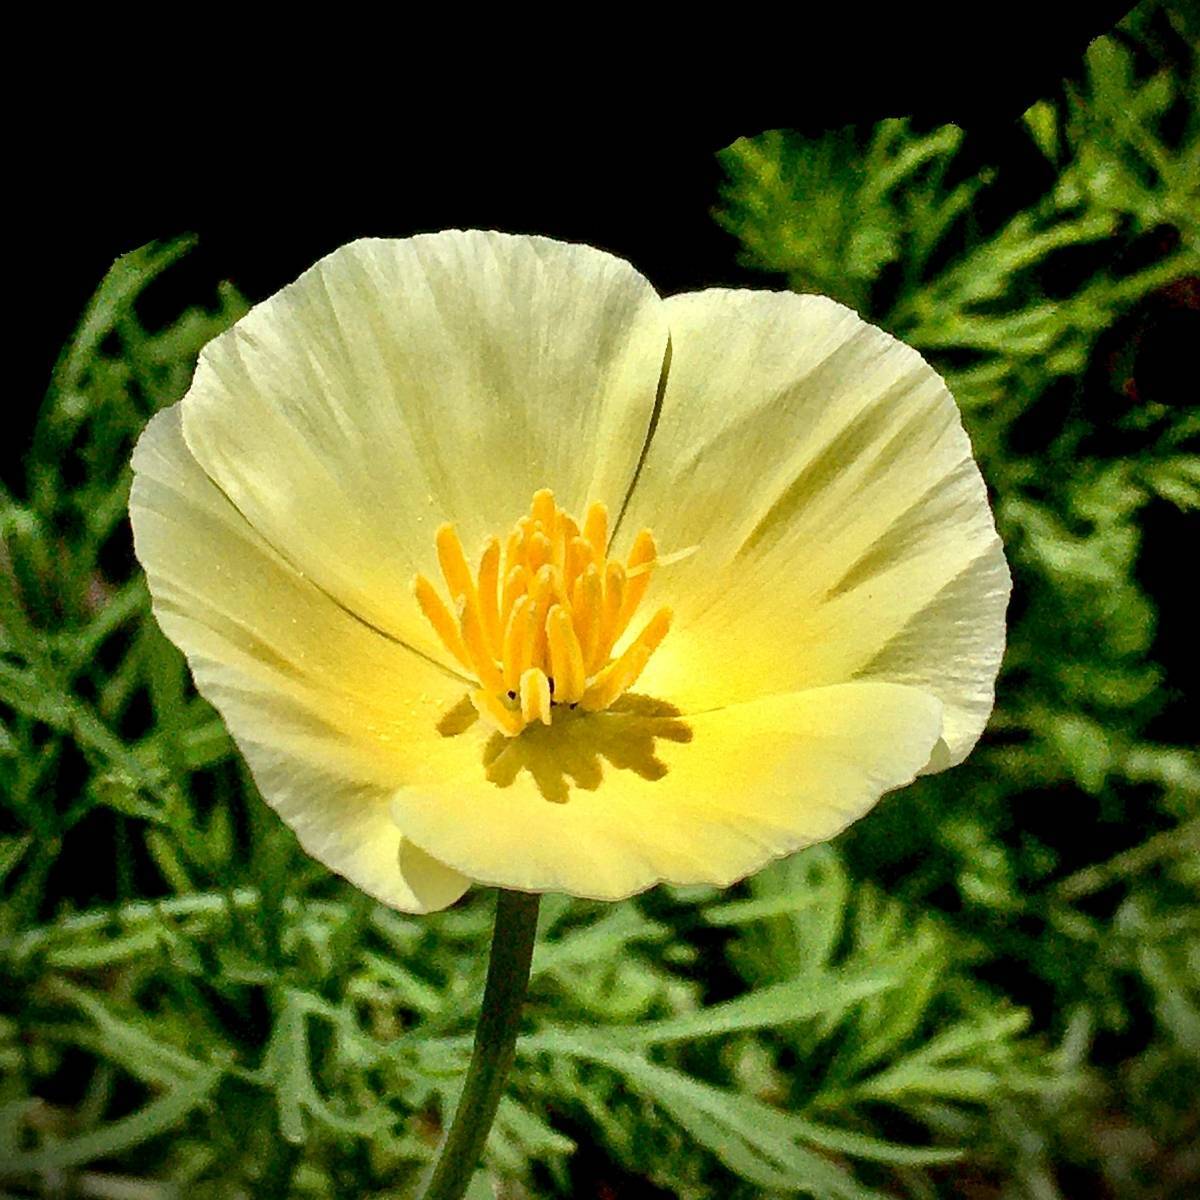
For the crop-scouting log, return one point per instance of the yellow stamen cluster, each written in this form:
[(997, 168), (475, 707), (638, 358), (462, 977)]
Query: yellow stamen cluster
[(537, 623)]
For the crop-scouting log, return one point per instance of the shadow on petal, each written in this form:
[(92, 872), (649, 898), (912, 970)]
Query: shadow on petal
[(458, 719), (577, 748)]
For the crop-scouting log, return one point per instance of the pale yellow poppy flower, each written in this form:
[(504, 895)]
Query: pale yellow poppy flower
[(768, 587)]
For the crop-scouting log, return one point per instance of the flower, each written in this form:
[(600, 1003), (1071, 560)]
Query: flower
[(740, 533)]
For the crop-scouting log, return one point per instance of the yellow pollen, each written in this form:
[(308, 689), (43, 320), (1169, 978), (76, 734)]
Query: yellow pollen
[(537, 624)]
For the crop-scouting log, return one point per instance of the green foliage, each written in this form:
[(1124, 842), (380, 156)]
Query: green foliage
[(363, 1015), (990, 981)]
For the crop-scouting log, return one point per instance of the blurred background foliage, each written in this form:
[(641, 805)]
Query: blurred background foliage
[(989, 988)]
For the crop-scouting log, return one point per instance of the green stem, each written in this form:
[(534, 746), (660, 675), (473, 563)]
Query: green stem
[(495, 1045)]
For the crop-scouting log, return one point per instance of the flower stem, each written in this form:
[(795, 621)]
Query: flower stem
[(495, 1045)]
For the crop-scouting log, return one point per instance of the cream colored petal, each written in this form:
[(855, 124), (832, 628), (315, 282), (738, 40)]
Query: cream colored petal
[(347, 826), (324, 707), (604, 805), (842, 528), (399, 384)]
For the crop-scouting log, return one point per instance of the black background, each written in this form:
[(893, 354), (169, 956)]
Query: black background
[(602, 136)]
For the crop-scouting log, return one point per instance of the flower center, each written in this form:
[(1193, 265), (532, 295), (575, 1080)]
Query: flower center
[(538, 630)]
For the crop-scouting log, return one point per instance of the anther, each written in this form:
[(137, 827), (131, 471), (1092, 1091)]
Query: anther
[(438, 615), (578, 559), (568, 532), (619, 676), (486, 670), (535, 696), (566, 656), (516, 583), (453, 562), (586, 599), (540, 551), (637, 578), (595, 529), (489, 594), (518, 642), (610, 611), (543, 509)]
